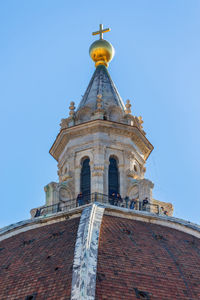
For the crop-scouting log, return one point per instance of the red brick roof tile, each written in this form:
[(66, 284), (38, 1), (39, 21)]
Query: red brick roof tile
[(39, 261), (155, 259), (133, 257)]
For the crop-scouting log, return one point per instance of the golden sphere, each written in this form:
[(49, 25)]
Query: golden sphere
[(101, 52)]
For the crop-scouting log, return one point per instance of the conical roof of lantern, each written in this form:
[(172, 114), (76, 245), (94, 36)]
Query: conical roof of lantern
[(101, 84)]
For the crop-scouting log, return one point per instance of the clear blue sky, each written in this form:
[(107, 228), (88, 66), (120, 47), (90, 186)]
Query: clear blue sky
[(44, 64)]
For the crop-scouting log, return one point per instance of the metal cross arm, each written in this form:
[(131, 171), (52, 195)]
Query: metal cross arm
[(101, 31)]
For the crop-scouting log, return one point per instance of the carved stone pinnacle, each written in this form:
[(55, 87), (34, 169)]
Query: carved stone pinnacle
[(128, 107), (72, 108)]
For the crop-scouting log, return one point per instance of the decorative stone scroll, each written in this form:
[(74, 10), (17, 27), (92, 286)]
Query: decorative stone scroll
[(139, 122), (64, 123)]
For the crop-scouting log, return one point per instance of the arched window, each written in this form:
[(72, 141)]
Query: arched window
[(85, 176), (113, 176)]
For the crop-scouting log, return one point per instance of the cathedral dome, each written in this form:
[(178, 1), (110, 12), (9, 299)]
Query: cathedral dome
[(100, 252), (101, 234), (101, 52)]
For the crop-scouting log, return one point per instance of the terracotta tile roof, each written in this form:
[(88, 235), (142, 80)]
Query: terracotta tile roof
[(136, 259), (39, 261), (139, 257)]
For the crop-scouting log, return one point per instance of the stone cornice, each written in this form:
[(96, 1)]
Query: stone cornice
[(23, 226), (171, 222), (166, 221), (90, 145), (102, 126)]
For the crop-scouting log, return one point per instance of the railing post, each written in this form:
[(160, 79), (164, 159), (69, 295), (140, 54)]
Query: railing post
[(58, 208), (95, 197)]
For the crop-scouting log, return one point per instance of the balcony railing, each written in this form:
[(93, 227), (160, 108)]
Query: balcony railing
[(96, 197)]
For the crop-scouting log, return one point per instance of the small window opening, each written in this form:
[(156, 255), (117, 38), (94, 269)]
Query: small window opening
[(142, 294), (113, 176), (28, 242), (127, 231), (55, 234), (159, 237), (192, 243), (85, 179), (5, 267), (31, 297), (100, 277)]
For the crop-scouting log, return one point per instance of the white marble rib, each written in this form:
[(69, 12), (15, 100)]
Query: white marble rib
[(85, 254)]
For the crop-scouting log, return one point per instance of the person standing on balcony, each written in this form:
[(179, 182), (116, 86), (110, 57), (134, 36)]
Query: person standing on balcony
[(79, 199), (115, 199), (127, 200), (144, 204), (112, 199), (163, 211), (119, 200), (132, 204)]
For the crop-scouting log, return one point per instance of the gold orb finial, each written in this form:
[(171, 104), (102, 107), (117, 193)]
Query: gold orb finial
[(101, 51)]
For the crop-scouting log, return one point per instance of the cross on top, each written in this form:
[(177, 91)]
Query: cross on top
[(101, 31)]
